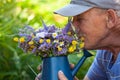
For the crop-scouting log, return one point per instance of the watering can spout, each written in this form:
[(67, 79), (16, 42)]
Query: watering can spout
[(81, 61), (86, 53)]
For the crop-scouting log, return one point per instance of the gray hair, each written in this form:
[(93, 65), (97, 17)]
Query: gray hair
[(118, 12)]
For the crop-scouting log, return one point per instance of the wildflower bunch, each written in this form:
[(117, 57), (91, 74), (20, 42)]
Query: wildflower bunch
[(48, 41)]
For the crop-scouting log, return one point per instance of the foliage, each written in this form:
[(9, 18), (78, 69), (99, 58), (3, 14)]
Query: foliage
[(14, 14)]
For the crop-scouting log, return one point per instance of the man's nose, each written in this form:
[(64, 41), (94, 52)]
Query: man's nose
[(75, 24)]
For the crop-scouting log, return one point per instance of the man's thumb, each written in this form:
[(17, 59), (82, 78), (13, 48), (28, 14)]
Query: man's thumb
[(61, 76)]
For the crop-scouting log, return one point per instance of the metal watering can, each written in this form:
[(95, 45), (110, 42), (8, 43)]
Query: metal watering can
[(52, 65)]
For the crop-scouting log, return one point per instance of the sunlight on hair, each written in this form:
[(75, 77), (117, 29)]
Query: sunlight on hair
[(117, 1), (118, 13)]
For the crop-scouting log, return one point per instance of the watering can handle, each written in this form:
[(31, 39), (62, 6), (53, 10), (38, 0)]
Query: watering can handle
[(81, 61)]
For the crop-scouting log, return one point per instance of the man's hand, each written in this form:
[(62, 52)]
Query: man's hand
[(61, 75), (39, 68)]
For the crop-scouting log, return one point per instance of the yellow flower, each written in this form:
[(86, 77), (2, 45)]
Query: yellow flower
[(31, 42), (59, 48), (69, 33), (48, 41), (74, 47), (82, 45), (82, 38), (71, 49), (32, 46), (22, 39), (74, 42), (41, 41), (82, 42), (15, 39)]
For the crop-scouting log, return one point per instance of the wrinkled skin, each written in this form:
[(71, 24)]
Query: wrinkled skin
[(100, 29)]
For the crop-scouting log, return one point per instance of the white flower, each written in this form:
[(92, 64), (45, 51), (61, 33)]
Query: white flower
[(54, 35), (41, 34), (56, 41), (61, 43)]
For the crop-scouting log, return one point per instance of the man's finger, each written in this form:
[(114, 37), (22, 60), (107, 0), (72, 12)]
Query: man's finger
[(75, 78), (39, 68), (72, 66), (61, 76), (38, 77)]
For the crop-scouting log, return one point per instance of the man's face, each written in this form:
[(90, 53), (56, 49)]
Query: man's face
[(92, 26)]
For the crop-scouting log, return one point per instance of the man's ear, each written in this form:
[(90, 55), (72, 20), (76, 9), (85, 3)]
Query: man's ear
[(111, 18)]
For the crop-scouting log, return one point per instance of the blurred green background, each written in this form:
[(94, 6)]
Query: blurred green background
[(14, 14)]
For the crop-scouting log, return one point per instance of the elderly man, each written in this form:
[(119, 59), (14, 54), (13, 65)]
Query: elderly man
[(98, 21)]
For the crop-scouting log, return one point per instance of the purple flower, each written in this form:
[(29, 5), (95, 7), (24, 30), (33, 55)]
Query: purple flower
[(29, 38), (52, 29), (29, 28), (63, 51), (67, 38), (34, 50), (36, 39), (48, 35), (67, 28), (45, 46), (44, 25), (22, 34), (41, 34), (24, 46), (60, 37)]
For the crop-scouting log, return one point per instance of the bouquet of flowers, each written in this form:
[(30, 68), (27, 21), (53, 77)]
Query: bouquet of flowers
[(49, 40)]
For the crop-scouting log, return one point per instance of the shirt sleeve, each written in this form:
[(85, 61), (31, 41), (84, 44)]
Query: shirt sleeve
[(96, 71)]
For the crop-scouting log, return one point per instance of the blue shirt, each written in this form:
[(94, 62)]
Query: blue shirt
[(103, 68)]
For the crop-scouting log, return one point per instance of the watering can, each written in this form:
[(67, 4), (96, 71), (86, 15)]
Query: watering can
[(52, 65)]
